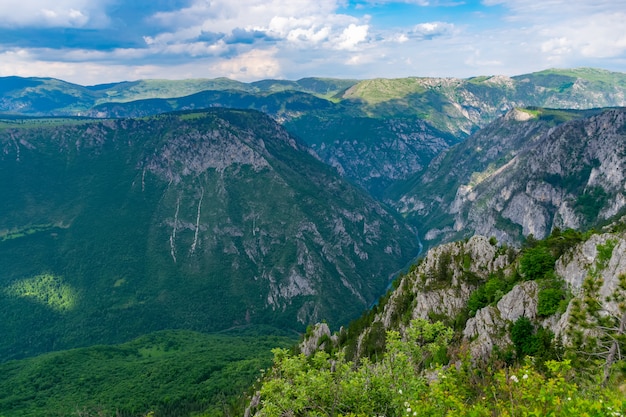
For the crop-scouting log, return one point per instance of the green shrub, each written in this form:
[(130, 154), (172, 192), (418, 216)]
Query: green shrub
[(605, 252), (549, 301), (522, 335), (489, 293), (536, 262)]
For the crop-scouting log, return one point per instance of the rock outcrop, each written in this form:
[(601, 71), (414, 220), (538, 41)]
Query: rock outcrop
[(525, 175)]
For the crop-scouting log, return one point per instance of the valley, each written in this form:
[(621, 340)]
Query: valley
[(194, 225)]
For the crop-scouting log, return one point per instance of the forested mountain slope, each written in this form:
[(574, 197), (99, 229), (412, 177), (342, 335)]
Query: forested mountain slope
[(207, 220), (375, 132), (526, 173)]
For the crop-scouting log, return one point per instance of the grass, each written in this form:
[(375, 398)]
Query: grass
[(380, 90)]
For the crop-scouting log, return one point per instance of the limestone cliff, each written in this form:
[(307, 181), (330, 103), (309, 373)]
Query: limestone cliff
[(529, 172), (445, 284)]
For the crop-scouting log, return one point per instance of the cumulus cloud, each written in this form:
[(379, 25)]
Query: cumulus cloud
[(249, 39), (352, 36), (252, 65), (60, 13), (432, 30)]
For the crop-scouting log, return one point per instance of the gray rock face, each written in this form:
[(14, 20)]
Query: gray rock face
[(484, 331), (315, 341), (525, 175), (488, 328), (575, 266), (439, 286), (422, 294)]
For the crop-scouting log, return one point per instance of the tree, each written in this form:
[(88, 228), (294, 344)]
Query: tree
[(598, 328)]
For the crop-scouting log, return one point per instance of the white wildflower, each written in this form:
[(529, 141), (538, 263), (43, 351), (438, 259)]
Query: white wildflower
[(525, 376), (514, 378)]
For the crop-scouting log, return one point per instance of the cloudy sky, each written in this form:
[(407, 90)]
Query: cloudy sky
[(99, 41)]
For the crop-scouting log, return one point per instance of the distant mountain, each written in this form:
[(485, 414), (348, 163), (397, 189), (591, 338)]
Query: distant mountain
[(199, 220), (461, 106), (52, 97), (526, 173), (375, 132)]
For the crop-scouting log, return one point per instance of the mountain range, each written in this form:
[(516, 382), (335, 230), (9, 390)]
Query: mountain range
[(139, 213), (374, 132), (526, 173)]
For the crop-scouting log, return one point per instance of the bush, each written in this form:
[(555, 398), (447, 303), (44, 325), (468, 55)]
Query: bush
[(549, 301), (522, 336), (536, 262), (489, 293)]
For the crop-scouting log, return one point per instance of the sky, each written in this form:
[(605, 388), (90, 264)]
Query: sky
[(100, 41)]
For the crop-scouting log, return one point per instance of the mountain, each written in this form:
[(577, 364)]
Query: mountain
[(529, 172), (461, 106), (375, 132), (383, 131), (474, 329), (197, 220), (52, 97)]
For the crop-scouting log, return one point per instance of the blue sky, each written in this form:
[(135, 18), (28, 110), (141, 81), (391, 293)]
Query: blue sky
[(101, 41)]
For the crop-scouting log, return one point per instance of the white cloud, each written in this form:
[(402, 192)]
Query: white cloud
[(301, 22), (251, 39), (595, 36), (249, 66), (432, 29), (352, 36), (252, 65), (59, 13)]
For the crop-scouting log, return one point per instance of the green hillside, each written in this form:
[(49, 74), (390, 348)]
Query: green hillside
[(169, 373), (203, 221)]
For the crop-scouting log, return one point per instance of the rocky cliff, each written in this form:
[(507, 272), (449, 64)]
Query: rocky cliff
[(527, 173), (377, 133), (482, 289)]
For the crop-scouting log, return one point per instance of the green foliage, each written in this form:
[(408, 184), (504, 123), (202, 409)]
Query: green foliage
[(536, 262), (522, 335), (171, 373), (46, 289), (605, 252), (331, 386), (598, 334), (490, 292), (549, 301), (328, 385), (441, 275), (589, 203), (374, 343), (552, 296), (403, 304)]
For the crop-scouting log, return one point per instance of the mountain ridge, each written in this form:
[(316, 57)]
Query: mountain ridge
[(224, 201), (526, 173), (415, 117)]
